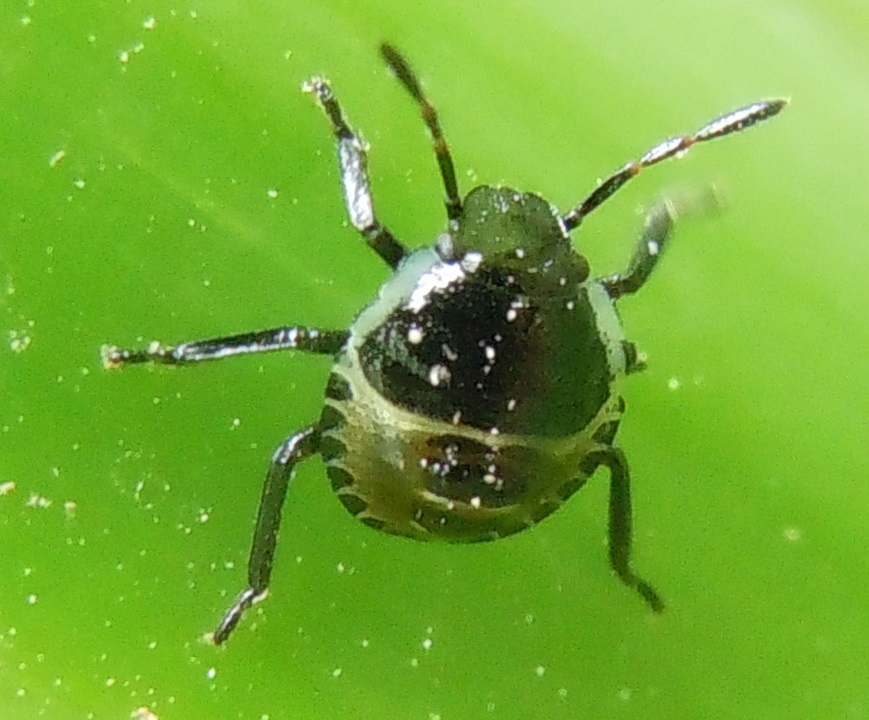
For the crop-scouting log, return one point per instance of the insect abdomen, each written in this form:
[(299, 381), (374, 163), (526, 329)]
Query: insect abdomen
[(411, 475)]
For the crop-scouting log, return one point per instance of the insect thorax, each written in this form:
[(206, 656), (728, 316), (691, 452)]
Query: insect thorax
[(474, 392)]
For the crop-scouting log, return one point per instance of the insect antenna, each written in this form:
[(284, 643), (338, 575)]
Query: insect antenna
[(725, 125), (405, 74)]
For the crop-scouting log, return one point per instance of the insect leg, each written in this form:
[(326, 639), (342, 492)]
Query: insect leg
[(635, 361), (289, 453), (620, 530), (405, 74), (353, 162), (656, 232), (673, 147), (325, 342)]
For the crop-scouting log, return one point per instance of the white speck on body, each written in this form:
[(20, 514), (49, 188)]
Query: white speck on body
[(438, 374), (439, 277), (415, 335), (471, 261), (653, 247)]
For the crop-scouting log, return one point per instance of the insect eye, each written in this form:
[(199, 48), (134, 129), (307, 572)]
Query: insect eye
[(445, 246)]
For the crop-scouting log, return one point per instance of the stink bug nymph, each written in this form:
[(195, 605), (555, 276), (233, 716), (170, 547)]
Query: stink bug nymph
[(478, 391)]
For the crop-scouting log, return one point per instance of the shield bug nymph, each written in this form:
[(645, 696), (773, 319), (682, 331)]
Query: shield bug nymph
[(478, 391)]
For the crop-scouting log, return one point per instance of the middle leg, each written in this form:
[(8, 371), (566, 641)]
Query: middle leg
[(323, 342)]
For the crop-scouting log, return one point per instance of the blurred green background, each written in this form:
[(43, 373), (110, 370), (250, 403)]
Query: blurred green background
[(163, 177)]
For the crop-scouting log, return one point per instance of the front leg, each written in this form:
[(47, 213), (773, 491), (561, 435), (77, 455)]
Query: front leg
[(653, 240), (292, 451), (353, 163)]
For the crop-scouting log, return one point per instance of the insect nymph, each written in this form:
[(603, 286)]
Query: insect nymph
[(478, 391)]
